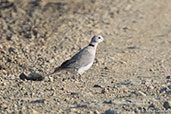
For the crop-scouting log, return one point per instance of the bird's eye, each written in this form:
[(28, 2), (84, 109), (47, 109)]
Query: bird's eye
[(99, 37)]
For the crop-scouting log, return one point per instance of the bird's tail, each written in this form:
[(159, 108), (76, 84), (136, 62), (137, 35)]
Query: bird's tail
[(58, 69)]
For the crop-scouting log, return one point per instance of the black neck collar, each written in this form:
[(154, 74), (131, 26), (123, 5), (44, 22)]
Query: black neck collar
[(91, 45)]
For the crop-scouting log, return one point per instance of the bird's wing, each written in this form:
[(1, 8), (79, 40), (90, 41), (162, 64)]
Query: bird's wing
[(82, 58)]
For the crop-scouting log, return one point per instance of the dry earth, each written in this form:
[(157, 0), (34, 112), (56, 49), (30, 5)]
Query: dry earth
[(132, 70)]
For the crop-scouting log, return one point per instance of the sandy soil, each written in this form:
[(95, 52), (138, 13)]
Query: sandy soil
[(132, 70)]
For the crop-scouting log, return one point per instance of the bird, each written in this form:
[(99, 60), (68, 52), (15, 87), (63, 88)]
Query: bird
[(78, 64), (82, 60)]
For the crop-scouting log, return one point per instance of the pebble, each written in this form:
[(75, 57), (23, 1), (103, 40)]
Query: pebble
[(38, 101), (106, 68), (96, 112), (166, 105), (22, 76), (74, 93), (4, 106), (151, 106), (168, 77), (108, 102), (97, 86), (28, 35), (142, 93), (110, 111), (82, 106), (11, 49), (34, 111), (9, 36), (104, 90), (51, 79), (163, 89), (169, 86)]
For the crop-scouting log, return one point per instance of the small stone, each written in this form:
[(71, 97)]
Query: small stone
[(169, 86), (163, 89), (73, 110), (11, 49), (151, 106), (28, 35), (150, 87), (22, 76), (131, 47), (168, 77), (9, 60), (108, 102), (9, 36), (38, 101), (104, 90), (142, 93), (96, 112), (35, 77), (166, 105), (74, 93), (82, 106), (51, 79), (110, 111), (97, 86), (4, 84), (34, 111), (106, 68), (4, 106), (62, 89)]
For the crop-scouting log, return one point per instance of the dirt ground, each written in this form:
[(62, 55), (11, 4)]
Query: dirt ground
[(131, 72)]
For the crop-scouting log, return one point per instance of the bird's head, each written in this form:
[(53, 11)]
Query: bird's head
[(97, 39)]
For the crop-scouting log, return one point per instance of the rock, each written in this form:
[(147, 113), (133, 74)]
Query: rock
[(22, 76), (32, 76), (97, 86), (4, 106), (34, 111), (163, 89), (96, 112), (151, 106), (141, 93), (51, 79), (11, 49), (35, 77), (106, 68), (28, 35), (167, 105), (38, 101), (131, 47), (169, 86), (137, 93), (74, 93), (108, 102), (104, 90), (110, 111), (168, 77), (9, 36)]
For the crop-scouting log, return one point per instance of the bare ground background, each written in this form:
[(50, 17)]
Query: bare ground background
[(132, 70)]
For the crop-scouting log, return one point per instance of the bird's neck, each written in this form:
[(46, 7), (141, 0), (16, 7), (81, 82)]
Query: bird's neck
[(92, 44)]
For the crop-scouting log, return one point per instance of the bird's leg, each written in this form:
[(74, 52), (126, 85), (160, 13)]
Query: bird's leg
[(79, 77)]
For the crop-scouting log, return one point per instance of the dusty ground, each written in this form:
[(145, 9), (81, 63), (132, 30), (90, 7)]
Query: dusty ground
[(132, 71)]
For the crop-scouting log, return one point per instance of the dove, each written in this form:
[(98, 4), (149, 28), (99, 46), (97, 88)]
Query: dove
[(82, 60)]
